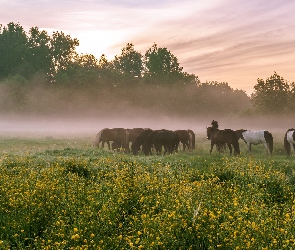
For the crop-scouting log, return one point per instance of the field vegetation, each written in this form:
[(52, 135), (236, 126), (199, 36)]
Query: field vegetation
[(61, 193)]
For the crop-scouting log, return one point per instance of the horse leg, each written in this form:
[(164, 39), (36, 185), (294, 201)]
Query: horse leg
[(266, 145), (293, 145), (230, 148), (212, 145), (249, 148)]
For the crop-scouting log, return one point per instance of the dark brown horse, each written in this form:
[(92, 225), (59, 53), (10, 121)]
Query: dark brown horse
[(227, 136), (161, 138), (119, 137), (133, 133), (220, 147), (192, 139), (187, 138), (139, 140)]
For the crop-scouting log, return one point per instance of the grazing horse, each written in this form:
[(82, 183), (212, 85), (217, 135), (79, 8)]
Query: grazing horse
[(187, 138), (119, 137), (133, 134), (184, 138), (161, 138), (226, 136), (192, 139), (139, 140), (256, 137), (289, 141)]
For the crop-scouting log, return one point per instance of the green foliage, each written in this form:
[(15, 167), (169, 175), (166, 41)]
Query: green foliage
[(272, 95)]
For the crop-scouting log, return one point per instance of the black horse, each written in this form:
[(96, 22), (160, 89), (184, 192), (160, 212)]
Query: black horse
[(139, 140), (227, 136), (161, 138)]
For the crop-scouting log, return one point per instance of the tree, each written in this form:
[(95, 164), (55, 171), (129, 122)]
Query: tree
[(129, 63), (62, 51), (39, 50), (162, 65), (271, 95), (13, 49)]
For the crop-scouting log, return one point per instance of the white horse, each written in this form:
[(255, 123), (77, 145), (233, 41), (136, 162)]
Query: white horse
[(256, 137), (289, 141)]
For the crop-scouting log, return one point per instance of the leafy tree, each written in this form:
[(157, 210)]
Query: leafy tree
[(220, 98), (129, 62), (271, 95), (13, 49), (39, 50), (162, 65), (62, 51), (81, 70)]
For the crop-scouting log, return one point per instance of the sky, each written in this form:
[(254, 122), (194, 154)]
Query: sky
[(233, 41)]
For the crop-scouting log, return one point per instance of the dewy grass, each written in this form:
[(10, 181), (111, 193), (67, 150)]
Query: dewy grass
[(83, 198)]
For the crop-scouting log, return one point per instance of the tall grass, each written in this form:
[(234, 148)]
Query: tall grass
[(72, 196)]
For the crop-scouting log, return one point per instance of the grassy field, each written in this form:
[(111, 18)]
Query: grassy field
[(61, 193)]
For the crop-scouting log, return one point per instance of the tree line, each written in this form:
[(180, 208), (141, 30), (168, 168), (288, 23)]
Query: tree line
[(35, 57)]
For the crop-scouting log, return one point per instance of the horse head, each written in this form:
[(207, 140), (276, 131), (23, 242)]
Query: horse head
[(209, 132)]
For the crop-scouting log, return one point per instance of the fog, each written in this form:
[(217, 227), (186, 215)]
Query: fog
[(31, 109), (20, 126)]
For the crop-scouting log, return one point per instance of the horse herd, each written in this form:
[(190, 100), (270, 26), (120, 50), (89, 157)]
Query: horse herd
[(146, 139)]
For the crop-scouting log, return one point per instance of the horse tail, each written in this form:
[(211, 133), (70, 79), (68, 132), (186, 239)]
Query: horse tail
[(98, 138), (287, 145), (270, 141)]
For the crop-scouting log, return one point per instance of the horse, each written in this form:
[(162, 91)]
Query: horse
[(226, 136), (139, 140), (119, 137), (184, 138), (187, 138), (192, 139), (256, 137), (161, 138), (220, 146), (289, 141), (133, 134)]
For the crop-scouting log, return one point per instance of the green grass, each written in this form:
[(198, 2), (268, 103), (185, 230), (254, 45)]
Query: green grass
[(61, 193)]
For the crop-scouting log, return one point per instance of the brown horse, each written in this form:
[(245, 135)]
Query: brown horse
[(227, 136), (184, 138), (187, 138), (119, 137), (192, 139), (133, 134), (161, 138), (220, 147), (139, 140)]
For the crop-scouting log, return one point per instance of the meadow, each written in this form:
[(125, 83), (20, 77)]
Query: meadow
[(61, 193)]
